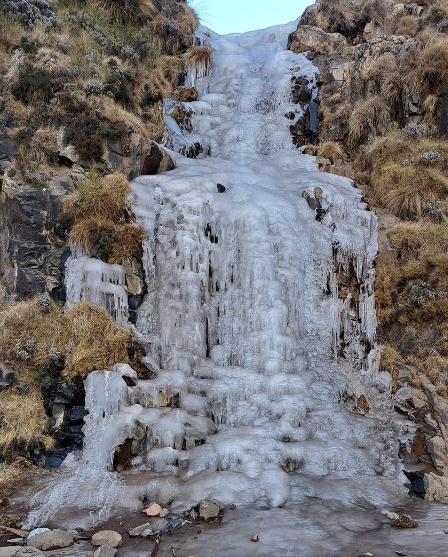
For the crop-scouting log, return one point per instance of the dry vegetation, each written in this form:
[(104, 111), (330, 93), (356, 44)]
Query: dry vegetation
[(42, 343), (99, 72), (398, 154), (101, 219)]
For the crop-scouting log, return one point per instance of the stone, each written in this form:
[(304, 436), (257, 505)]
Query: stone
[(158, 525), (144, 531), (157, 160), (8, 551), (29, 552), (309, 38), (105, 551), (15, 541), (164, 512), (209, 509), (135, 280), (7, 377), (53, 539), (153, 510), (404, 521), (255, 538), (109, 537)]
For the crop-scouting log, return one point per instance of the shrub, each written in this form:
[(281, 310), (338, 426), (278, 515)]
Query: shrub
[(83, 131), (31, 12), (33, 85)]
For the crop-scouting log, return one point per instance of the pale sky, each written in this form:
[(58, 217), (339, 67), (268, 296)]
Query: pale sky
[(238, 16)]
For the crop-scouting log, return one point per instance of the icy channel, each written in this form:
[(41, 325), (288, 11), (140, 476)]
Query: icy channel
[(259, 317)]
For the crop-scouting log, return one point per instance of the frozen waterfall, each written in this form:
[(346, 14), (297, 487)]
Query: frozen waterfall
[(259, 314)]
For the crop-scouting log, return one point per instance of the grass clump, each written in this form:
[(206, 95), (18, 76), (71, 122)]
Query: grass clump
[(369, 118), (41, 342), (102, 222)]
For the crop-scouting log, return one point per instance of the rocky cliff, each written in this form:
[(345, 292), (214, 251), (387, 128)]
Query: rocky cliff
[(382, 121)]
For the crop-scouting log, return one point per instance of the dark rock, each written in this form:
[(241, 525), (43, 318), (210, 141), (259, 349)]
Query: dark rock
[(157, 160), (7, 377), (221, 188)]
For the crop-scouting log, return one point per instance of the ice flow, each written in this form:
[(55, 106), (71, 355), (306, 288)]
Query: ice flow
[(259, 318)]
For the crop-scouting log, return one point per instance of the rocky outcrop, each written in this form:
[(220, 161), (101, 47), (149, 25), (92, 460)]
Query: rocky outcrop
[(362, 53)]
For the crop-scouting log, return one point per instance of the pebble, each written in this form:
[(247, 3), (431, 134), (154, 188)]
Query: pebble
[(255, 538), (105, 551), (401, 553), (164, 512)]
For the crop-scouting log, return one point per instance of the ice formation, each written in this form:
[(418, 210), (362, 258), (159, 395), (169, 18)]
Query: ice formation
[(259, 317)]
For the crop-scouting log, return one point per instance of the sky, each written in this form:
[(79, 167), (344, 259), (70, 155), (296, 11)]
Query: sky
[(238, 16)]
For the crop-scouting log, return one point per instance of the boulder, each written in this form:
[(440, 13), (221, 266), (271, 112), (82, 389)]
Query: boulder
[(308, 38), (7, 377), (107, 537), (157, 160), (105, 551), (8, 551), (53, 539), (209, 509)]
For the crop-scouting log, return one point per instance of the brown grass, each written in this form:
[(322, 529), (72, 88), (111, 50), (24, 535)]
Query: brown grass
[(408, 25), (331, 151), (198, 59), (23, 421), (98, 343), (369, 117), (128, 10), (102, 220)]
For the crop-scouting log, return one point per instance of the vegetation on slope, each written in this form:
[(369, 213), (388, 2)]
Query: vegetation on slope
[(42, 344)]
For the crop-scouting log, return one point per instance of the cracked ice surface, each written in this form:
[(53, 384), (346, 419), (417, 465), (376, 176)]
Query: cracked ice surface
[(262, 358)]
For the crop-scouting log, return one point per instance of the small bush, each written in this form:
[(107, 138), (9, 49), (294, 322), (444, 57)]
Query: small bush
[(83, 131), (33, 86), (138, 11)]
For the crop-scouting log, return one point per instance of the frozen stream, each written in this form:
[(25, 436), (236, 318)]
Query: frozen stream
[(259, 324)]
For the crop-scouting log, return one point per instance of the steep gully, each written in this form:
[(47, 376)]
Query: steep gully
[(258, 325)]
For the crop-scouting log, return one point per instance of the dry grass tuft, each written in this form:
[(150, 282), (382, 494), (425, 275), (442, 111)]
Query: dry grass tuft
[(331, 151), (369, 117), (138, 11), (102, 220), (408, 25), (23, 421), (98, 343)]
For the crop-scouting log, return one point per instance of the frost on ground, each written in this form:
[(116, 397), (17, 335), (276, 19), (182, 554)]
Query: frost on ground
[(259, 314)]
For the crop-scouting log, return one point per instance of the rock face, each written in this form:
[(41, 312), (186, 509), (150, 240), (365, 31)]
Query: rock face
[(53, 539)]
